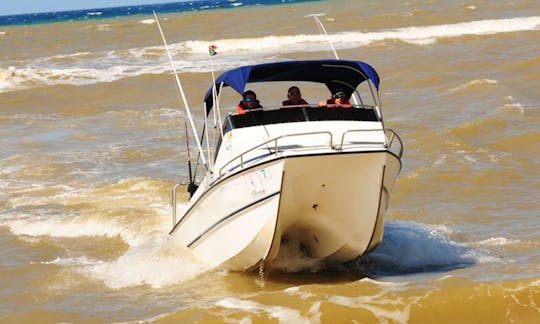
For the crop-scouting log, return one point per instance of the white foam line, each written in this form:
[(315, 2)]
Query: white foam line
[(283, 314), (366, 302), (473, 83), (148, 21), (420, 35), (498, 241)]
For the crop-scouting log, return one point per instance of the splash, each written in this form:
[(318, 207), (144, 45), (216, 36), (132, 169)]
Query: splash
[(158, 263), (151, 258), (409, 247), (87, 224)]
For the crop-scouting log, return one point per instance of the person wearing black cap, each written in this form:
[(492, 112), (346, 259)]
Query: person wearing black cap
[(339, 100)]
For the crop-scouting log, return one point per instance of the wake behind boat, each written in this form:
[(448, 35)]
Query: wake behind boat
[(317, 179)]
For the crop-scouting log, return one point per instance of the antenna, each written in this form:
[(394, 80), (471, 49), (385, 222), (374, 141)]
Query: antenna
[(179, 85), (323, 30)]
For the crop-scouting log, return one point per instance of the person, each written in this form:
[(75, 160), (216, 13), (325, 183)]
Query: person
[(249, 101), (339, 100), (295, 97)]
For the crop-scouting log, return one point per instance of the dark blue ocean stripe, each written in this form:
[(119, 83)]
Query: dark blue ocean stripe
[(102, 13)]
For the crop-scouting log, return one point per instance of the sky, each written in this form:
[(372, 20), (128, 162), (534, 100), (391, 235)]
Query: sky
[(14, 7)]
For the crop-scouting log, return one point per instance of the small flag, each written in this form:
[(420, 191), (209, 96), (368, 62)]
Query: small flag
[(212, 50)]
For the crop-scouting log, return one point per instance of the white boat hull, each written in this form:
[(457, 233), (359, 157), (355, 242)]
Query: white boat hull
[(331, 203)]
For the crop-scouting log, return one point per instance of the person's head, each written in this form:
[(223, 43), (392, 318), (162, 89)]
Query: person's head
[(340, 97), (250, 99), (294, 95)]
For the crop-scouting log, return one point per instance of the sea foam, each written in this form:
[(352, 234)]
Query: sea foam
[(148, 21), (282, 314), (419, 35)]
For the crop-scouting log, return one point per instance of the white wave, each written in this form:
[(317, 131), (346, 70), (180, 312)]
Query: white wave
[(148, 21), (295, 290), (498, 241), (473, 83), (379, 307), (281, 313), (420, 35), (517, 107), (70, 227), (78, 261), (29, 77)]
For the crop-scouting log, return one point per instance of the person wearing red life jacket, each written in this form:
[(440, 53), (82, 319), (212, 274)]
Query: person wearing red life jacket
[(294, 98), (339, 100), (249, 101)]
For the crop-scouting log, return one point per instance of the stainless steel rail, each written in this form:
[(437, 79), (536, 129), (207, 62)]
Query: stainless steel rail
[(393, 139), (275, 145), (340, 147)]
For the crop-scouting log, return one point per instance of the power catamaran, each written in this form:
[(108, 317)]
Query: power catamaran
[(318, 178)]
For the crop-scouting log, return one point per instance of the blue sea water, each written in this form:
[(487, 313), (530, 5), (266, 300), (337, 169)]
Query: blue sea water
[(102, 13)]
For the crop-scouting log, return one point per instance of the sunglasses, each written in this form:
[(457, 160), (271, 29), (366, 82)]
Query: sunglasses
[(294, 93), (249, 99)]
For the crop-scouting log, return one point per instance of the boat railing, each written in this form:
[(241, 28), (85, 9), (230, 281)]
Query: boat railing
[(393, 142), (363, 142), (274, 145)]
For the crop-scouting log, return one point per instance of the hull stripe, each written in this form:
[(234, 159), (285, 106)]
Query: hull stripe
[(234, 213)]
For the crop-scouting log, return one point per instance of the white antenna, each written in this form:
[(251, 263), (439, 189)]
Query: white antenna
[(323, 30), (179, 84)]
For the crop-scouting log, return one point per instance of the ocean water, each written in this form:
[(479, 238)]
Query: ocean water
[(92, 138)]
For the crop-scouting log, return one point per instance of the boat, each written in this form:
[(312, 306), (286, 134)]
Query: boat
[(315, 178)]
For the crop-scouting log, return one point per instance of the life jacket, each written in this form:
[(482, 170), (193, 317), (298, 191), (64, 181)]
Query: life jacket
[(331, 103), (241, 109), (289, 103)]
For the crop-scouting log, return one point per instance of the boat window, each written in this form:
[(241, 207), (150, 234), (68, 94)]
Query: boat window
[(299, 114)]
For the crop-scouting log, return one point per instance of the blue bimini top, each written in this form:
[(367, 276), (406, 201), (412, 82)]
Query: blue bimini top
[(335, 74)]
